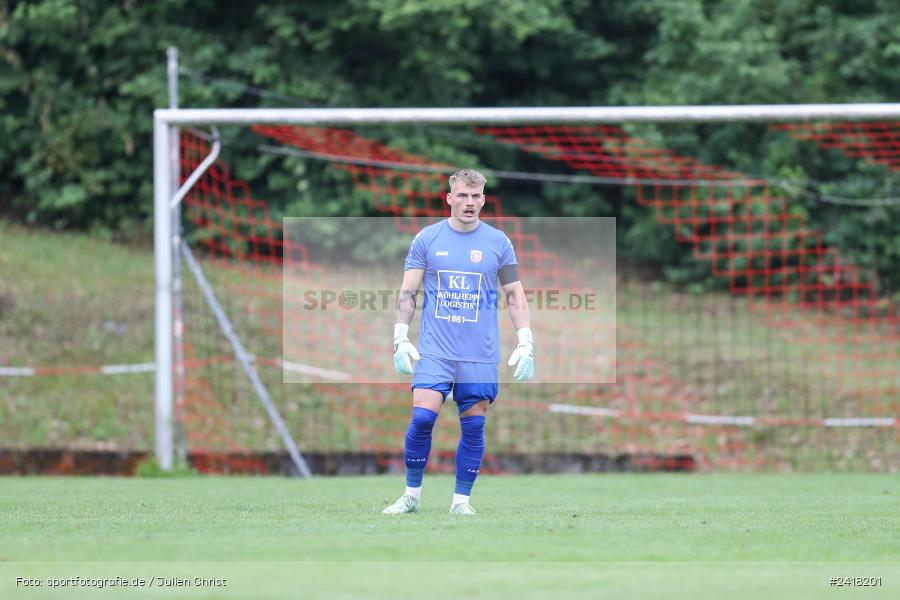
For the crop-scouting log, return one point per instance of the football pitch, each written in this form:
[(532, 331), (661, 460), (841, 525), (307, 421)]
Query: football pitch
[(554, 536)]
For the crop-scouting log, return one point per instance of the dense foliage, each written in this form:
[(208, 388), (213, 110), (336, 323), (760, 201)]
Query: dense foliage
[(79, 79)]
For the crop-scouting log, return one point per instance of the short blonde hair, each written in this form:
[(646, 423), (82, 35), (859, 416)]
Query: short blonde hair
[(469, 177)]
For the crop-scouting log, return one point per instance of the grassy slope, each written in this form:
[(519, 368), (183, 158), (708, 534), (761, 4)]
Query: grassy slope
[(660, 519), (69, 300)]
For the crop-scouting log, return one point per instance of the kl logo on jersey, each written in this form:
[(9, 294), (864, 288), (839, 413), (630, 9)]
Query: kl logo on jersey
[(475, 256), (458, 282), (458, 296)]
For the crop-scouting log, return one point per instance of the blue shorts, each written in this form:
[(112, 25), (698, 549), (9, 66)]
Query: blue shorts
[(471, 382)]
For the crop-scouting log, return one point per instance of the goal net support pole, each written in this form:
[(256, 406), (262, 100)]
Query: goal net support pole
[(243, 358)]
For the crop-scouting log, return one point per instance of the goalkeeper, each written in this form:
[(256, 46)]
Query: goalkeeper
[(460, 260)]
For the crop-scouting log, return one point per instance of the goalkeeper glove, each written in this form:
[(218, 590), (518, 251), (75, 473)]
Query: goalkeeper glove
[(403, 350), (523, 355)]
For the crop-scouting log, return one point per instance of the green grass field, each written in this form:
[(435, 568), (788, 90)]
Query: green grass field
[(629, 536)]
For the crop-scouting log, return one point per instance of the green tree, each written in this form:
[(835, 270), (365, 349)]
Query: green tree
[(80, 79)]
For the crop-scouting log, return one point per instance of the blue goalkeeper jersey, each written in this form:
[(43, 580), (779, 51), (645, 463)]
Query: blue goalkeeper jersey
[(459, 315)]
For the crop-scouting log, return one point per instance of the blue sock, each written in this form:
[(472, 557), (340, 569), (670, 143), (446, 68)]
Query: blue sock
[(469, 453), (418, 444)]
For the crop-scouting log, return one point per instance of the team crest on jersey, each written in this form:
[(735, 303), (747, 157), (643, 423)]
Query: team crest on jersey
[(475, 256)]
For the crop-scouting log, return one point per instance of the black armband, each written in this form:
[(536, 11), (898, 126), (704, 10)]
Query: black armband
[(508, 274)]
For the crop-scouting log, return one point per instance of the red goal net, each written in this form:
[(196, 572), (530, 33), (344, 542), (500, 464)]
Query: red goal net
[(790, 363)]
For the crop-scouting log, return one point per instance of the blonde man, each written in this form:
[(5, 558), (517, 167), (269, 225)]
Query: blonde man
[(460, 261)]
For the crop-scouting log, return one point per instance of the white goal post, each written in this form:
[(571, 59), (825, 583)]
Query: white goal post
[(166, 197)]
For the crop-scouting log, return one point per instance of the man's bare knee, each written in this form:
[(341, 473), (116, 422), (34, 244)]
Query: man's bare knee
[(427, 398), (479, 409)]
